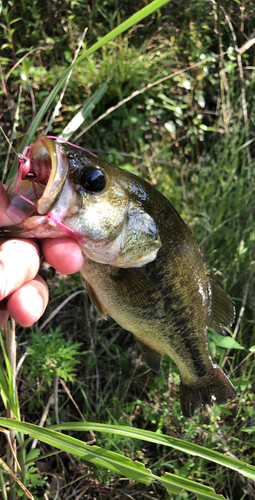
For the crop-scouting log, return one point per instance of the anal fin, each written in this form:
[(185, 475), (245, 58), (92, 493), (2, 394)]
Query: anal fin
[(151, 357)]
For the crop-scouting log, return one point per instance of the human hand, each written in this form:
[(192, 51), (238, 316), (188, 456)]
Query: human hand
[(23, 293)]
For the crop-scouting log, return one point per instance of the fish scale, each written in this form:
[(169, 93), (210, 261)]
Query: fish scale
[(142, 265)]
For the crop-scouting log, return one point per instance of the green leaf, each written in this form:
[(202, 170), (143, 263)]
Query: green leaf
[(228, 343), (15, 20), (177, 483)]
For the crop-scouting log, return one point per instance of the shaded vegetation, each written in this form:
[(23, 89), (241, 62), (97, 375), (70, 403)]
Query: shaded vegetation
[(191, 136)]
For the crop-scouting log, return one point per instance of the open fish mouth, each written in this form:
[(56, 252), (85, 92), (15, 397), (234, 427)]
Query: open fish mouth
[(46, 172), (37, 188)]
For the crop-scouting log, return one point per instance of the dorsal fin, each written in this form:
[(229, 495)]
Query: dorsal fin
[(135, 288), (223, 309), (151, 357)]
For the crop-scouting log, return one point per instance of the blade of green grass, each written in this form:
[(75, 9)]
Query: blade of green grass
[(110, 460), (146, 11), (178, 483), (178, 444), (84, 112), (7, 384)]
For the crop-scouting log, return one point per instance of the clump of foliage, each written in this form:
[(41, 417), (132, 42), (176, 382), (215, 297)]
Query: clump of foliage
[(50, 356)]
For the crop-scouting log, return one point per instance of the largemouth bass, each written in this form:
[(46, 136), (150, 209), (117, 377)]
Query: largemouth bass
[(142, 265)]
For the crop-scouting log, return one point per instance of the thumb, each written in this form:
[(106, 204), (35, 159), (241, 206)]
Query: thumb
[(9, 214)]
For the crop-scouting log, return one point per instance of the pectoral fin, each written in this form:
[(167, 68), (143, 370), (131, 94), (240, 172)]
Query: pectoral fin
[(151, 357), (223, 309), (95, 300), (135, 288)]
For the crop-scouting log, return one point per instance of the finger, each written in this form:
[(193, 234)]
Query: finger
[(19, 263), (27, 304), (9, 214), (63, 253)]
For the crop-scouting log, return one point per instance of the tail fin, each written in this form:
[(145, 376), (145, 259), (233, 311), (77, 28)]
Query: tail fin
[(216, 388)]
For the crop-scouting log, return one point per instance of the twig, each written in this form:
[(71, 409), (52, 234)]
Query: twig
[(7, 433), (225, 96), (72, 399), (13, 135), (15, 478), (56, 399), (240, 66), (231, 373), (20, 362), (77, 408), (3, 82), (238, 321), (162, 150), (216, 228), (43, 418), (24, 57), (246, 46), (56, 311), (241, 75)]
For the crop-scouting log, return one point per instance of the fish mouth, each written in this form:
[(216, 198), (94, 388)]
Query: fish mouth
[(41, 177), (43, 191), (58, 173), (52, 188)]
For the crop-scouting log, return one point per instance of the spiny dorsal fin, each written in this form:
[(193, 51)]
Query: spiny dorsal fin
[(135, 288), (223, 309), (95, 300), (151, 357)]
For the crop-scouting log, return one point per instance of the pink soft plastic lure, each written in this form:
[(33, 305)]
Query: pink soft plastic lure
[(37, 171)]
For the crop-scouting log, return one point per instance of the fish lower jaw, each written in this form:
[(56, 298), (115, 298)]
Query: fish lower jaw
[(101, 254), (39, 226), (113, 255)]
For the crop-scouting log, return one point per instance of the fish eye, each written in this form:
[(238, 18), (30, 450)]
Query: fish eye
[(93, 180)]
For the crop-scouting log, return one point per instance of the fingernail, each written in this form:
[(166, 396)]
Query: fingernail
[(15, 213), (40, 306)]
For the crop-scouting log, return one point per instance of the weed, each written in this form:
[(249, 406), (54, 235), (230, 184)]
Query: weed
[(50, 356)]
